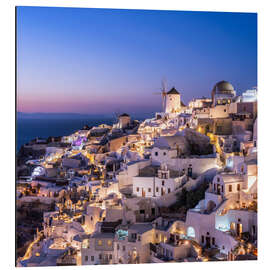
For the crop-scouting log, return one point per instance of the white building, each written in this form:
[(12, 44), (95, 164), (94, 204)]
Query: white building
[(155, 181)]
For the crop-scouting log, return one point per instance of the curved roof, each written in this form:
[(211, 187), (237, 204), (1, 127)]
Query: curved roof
[(223, 87), (124, 114)]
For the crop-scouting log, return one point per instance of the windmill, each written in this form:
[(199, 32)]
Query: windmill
[(163, 93)]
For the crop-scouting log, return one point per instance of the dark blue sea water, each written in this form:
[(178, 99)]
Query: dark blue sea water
[(28, 129)]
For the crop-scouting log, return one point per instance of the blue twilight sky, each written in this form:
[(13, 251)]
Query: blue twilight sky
[(101, 60)]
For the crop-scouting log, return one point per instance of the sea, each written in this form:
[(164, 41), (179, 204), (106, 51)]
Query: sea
[(28, 129)]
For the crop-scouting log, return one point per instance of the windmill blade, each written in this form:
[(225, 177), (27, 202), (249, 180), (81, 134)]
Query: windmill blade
[(164, 84), (116, 115)]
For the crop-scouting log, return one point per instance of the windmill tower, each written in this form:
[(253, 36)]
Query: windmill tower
[(173, 101)]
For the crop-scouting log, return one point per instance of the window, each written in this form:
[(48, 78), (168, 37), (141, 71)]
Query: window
[(169, 190), (86, 258), (124, 248), (109, 242), (238, 187), (164, 153), (215, 187), (219, 128), (110, 257), (91, 218), (156, 189), (100, 256), (85, 243), (139, 238), (142, 211), (202, 239), (222, 188), (100, 242), (138, 189), (149, 189), (163, 182), (153, 211), (92, 258), (118, 247), (230, 188), (213, 241), (224, 110), (156, 153)]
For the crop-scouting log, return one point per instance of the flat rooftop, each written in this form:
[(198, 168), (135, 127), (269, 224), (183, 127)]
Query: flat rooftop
[(151, 171)]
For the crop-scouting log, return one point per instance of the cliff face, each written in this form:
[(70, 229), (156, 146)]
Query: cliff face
[(199, 144), (29, 217)]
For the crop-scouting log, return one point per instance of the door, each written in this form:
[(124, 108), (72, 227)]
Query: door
[(208, 243), (143, 193), (239, 229), (162, 191)]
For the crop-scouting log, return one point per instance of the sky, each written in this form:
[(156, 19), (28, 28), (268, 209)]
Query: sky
[(102, 61)]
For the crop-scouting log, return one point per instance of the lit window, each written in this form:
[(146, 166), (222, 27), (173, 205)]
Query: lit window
[(100, 242), (85, 243), (109, 242)]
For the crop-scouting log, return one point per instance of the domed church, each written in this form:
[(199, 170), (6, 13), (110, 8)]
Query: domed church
[(222, 93)]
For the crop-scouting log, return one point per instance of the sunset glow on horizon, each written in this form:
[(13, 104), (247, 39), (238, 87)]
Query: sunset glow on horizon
[(82, 60)]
